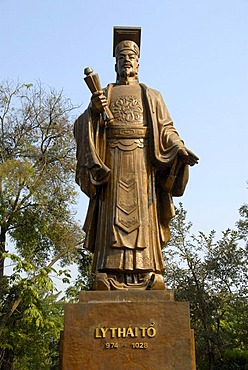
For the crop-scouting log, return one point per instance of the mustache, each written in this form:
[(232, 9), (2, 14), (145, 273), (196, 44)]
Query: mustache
[(127, 64)]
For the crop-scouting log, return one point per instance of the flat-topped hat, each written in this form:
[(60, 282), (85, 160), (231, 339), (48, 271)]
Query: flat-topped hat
[(126, 38)]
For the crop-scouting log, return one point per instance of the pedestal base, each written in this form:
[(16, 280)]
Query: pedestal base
[(127, 330)]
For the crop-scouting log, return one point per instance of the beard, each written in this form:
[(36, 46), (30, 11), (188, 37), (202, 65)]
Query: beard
[(127, 72)]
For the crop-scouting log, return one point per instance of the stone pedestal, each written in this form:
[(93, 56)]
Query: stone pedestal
[(127, 330)]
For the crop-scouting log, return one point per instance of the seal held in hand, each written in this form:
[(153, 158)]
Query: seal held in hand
[(93, 82)]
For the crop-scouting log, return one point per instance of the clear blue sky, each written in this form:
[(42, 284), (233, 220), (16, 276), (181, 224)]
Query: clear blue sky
[(194, 52)]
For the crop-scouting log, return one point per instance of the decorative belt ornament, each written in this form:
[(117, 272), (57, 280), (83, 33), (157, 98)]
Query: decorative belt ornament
[(127, 132)]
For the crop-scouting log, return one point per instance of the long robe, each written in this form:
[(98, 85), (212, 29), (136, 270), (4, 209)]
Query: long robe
[(130, 184)]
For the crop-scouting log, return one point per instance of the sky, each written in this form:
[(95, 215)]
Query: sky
[(194, 52)]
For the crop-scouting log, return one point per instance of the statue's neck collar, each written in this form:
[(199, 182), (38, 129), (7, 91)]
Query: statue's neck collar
[(127, 82)]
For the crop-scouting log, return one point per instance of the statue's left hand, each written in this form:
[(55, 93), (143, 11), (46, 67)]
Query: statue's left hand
[(188, 156)]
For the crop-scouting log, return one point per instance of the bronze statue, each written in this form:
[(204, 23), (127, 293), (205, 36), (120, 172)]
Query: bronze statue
[(130, 163)]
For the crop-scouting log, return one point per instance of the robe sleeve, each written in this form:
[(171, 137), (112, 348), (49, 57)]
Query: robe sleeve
[(171, 173), (91, 172)]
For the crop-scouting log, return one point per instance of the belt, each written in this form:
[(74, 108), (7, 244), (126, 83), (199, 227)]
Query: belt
[(127, 132)]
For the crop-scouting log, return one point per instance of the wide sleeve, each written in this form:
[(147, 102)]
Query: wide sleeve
[(172, 172), (91, 171)]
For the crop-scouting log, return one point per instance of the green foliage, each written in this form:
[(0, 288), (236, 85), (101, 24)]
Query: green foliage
[(33, 334), (235, 359), (211, 275), (84, 279), (30, 335), (242, 224), (37, 166), (37, 160)]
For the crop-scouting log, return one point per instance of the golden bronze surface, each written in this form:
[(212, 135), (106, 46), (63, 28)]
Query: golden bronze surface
[(131, 161)]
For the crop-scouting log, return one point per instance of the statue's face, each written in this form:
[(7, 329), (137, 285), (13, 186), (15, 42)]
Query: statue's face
[(127, 64)]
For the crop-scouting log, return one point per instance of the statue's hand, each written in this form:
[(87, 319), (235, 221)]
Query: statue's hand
[(98, 102), (188, 156)]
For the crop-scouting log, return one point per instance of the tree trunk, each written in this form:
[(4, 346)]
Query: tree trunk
[(211, 356), (6, 360), (2, 249)]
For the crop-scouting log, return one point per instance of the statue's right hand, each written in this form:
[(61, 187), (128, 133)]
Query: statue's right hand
[(98, 102)]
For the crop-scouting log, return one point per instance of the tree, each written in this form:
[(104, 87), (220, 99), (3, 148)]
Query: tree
[(84, 279), (37, 166), (211, 275)]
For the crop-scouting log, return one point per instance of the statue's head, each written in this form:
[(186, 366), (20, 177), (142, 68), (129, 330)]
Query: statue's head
[(126, 51), (127, 60)]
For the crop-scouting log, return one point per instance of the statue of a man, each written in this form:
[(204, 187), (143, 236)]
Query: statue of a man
[(130, 168)]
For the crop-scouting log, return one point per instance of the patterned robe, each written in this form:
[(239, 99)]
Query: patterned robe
[(130, 170)]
